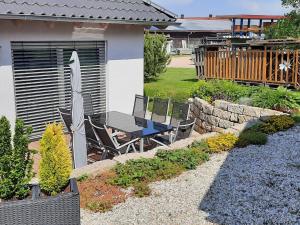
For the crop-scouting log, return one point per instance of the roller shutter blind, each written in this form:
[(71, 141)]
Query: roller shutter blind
[(42, 79)]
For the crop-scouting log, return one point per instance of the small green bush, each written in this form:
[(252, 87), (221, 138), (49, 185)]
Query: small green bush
[(187, 158), (264, 97), (56, 162), (221, 89), (276, 123), (251, 137), (279, 99), (201, 146), (15, 162), (100, 206), (223, 142), (141, 190), (144, 170)]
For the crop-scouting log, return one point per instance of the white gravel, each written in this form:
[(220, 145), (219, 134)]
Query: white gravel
[(254, 185)]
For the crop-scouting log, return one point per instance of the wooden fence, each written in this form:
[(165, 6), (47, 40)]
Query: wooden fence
[(276, 67)]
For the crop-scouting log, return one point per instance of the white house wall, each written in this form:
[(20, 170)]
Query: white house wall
[(125, 44)]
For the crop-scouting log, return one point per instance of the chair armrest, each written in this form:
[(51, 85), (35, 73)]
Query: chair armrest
[(128, 143)]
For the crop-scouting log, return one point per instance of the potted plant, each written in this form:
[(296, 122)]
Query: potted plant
[(56, 199)]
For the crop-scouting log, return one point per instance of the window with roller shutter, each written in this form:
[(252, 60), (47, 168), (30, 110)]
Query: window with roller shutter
[(42, 79)]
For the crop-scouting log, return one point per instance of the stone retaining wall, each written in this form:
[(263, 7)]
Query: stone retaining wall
[(223, 115)]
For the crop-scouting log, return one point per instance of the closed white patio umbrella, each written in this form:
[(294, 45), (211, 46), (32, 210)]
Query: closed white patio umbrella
[(78, 129)]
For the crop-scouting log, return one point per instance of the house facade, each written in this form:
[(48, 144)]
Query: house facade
[(38, 37)]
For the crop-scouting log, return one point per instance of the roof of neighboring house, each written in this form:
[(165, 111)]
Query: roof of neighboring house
[(254, 17), (109, 11), (201, 25)]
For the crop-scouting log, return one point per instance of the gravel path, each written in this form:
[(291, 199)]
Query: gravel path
[(255, 185)]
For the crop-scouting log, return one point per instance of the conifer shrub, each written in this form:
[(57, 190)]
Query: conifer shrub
[(15, 161), (251, 137), (223, 142), (276, 123), (56, 161)]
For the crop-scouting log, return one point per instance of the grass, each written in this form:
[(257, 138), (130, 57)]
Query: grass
[(175, 83)]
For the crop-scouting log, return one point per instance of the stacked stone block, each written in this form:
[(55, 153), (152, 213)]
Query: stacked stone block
[(221, 115)]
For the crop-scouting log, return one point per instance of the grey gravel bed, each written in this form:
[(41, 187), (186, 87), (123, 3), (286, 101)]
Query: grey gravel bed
[(254, 185)]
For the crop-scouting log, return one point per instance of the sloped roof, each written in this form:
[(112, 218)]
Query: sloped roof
[(112, 11), (203, 24)]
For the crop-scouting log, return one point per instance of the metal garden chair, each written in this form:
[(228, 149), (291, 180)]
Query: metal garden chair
[(183, 130), (88, 104), (140, 106), (109, 143), (160, 110)]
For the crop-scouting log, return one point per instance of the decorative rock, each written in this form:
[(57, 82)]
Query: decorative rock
[(208, 109), (225, 124), (207, 126), (221, 114), (252, 111), (269, 112), (213, 120), (221, 104), (234, 108), (243, 119), (218, 129), (234, 118)]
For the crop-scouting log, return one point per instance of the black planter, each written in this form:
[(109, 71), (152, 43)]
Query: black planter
[(63, 209)]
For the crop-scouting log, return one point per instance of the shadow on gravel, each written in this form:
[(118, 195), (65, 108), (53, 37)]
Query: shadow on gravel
[(257, 185)]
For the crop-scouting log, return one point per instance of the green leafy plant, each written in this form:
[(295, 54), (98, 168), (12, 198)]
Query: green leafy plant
[(55, 164), (187, 158), (15, 162), (141, 190), (144, 170), (223, 142), (82, 178), (251, 137), (156, 57), (280, 99), (276, 123), (100, 206)]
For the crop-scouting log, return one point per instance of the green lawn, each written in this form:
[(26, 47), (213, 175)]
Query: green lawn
[(176, 84)]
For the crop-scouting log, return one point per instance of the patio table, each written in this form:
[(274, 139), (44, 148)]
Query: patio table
[(135, 126)]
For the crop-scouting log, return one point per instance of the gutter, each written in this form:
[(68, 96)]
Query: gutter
[(87, 20)]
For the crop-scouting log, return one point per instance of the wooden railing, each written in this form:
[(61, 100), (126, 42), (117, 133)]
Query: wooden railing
[(259, 66)]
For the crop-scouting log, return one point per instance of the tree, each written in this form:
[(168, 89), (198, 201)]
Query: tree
[(156, 57), (291, 3), (288, 27)]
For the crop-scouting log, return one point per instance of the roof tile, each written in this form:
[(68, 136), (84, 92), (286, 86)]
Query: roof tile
[(126, 10)]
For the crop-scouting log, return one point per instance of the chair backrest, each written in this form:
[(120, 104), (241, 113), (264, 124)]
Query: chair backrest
[(89, 132), (103, 135), (180, 113), (140, 106), (66, 117), (160, 110), (88, 104), (184, 129)]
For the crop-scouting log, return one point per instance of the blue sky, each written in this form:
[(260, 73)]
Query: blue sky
[(221, 7)]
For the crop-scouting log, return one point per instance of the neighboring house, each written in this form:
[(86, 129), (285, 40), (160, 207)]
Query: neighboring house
[(38, 37), (189, 31), (192, 31)]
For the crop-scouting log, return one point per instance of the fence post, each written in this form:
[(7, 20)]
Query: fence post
[(297, 68), (265, 66)]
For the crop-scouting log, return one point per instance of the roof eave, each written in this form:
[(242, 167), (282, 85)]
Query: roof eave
[(87, 20)]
